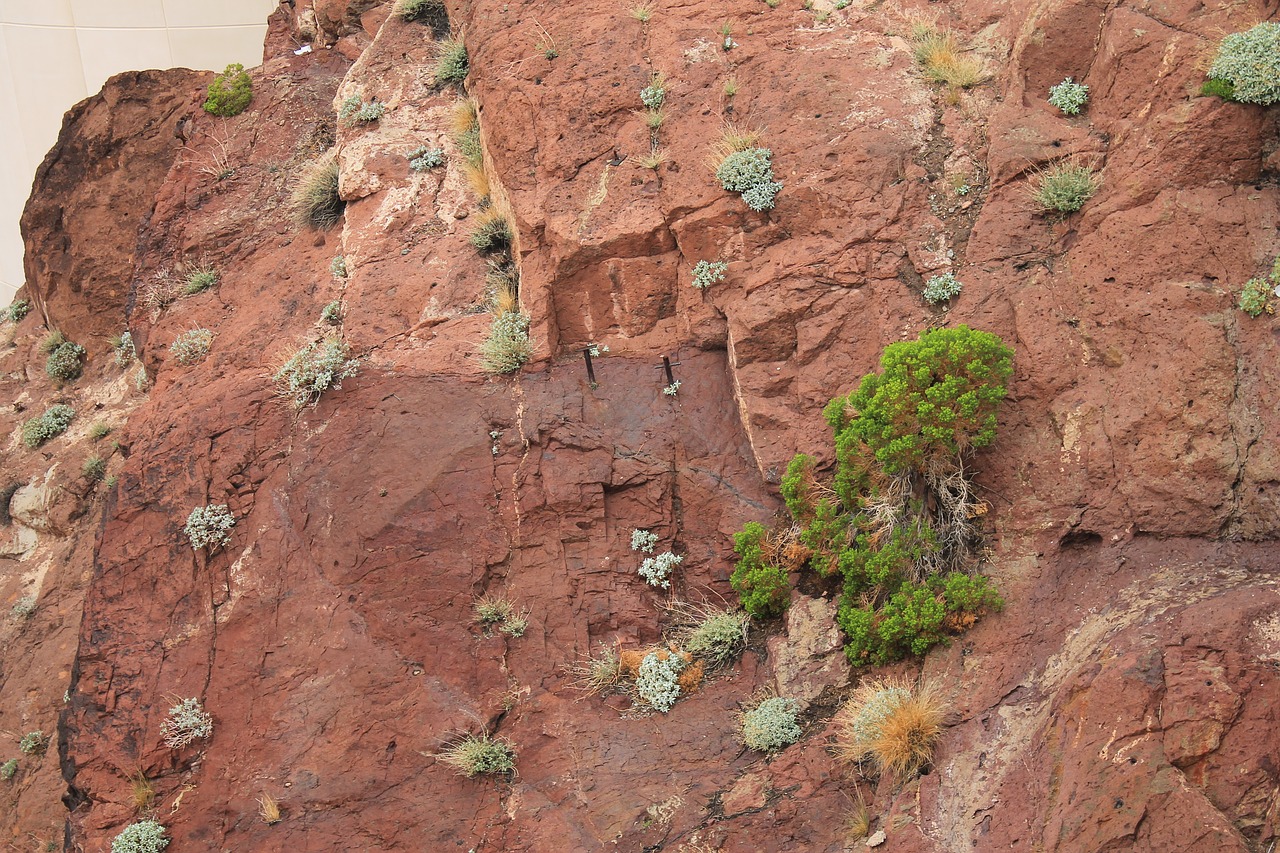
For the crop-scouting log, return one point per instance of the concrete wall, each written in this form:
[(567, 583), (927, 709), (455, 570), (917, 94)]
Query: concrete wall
[(55, 53)]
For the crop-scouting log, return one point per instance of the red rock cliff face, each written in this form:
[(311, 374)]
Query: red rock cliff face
[(1125, 698)]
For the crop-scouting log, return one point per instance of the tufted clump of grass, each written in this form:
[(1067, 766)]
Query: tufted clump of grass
[(707, 273), (199, 279), (145, 836), (314, 369), (1064, 187), (748, 171), (599, 672), (187, 722), (712, 634), (53, 422), (771, 725), (1249, 62), (474, 755), (209, 526), (941, 58), (94, 468), (492, 232), (891, 723), (316, 201), (1069, 97), (507, 348), (191, 346), (452, 63), (940, 288), (419, 10), (496, 611)]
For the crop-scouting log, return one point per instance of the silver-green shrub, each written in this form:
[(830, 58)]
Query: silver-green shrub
[(707, 273), (643, 540), (750, 172), (209, 526), (9, 769), (314, 369), (145, 836), (65, 361), (719, 637), (452, 64), (24, 608), (33, 743), (124, 349), (657, 570), (940, 288), (1069, 97), (423, 158), (508, 346), (53, 422), (654, 95), (1250, 61), (473, 755), (338, 267), (354, 111), (187, 722), (657, 682), (771, 725), (191, 346), (332, 313), (19, 309)]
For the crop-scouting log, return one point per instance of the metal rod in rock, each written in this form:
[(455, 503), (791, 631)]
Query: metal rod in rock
[(591, 371)]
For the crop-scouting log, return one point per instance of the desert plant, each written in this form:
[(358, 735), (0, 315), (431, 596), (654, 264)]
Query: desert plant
[(316, 200), (465, 131), (940, 288), (642, 12), (508, 346), (473, 755), (492, 232), (230, 92), (750, 173), (672, 389), (187, 722), (332, 313), (423, 158), (658, 680), (33, 743), (94, 468), (771, 725), (9, 769), (655, 94), (761, 585), (1250, 62), (53, 422), (99, 430), (1256, 295), (657, 570), (338, 268), (714, 634), (144, 793), (940, 58), (209, 526), (16, 311), (653, 158), (191, 346), (419, 10), (598, 673), (140, 380), (24, 608), (355, 111), (1064, 186), (268, 809), (314, 369), (145, 836), (65, 358), (200, 279), (122, 344), (891, 723), (1069, 97), (496, 611), (643, 540), (451, 61), (1215, 88), (707, 273)]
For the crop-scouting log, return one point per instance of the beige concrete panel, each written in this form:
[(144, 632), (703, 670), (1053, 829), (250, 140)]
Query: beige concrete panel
[(215, 49), (48, 79), (189, 13), (102, 52), (120, 14), (55, 13), (15, 183)]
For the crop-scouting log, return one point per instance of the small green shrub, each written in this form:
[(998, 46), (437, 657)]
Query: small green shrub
[(1250, 62), (191, 346), (718, 636), (658, 680), (474, 755), (209, 526), (338, 268), (94, 468), (199, 280), (332, 313), (451, 63), (643, 540), (24, 608), (354, 111), (707, 273), (65, 361), (1064, 187), (33, 743), (314, 369), (496, 611), (941, 288), (771, 725), (508, 347), (1215, 88), (9, 769), (657, 569), (750, 173), (99, 430), (145, 836), (122, 344), (419, 10), (422, 159), (230, 92), (53, 422), (19, 309), (1069, 97), (316, 200), (187, 722), (654, 95), (762, 586), (1256, 296)]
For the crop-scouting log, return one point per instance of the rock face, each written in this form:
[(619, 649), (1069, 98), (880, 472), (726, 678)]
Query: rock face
[(1123, 700)]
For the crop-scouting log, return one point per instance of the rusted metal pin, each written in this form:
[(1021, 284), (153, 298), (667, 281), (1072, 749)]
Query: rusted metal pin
[(591, 371)]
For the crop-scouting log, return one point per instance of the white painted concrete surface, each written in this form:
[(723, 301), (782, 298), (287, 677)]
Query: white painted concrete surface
[(55, 53)]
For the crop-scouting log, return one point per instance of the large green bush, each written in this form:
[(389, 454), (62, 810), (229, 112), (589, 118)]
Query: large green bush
[(53, 422), (1250, 62), (230, 92), (762, 586)]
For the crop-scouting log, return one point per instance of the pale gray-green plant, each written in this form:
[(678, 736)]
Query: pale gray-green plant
[(474, 755), (423, 158), (9, 769), (508, 346), (654, 95), (332, 313), (53, 422), (24, 608), (125, 352), (1069, 96), (707, 273), (940, 288), (1064, 187), (19, 309), (338, 267), (315, 368), (65, 360), (33, 743), (187, 722), (643, 540), (771, 725), (1250, 62), (145, 836), (657, 569), (715, 635), (750, 173), (191, 346), (657, 682), (355, 111), (209, 526)]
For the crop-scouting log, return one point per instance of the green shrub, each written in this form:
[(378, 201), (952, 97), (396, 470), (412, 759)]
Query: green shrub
[(316, 200), (65, 361), (707, 273), (209, 526), (508, 347), (422, 158), (9, 769), (33, 743), (94, 468), (941, 288), (1250, 62), (750, 172), (1256, 296), (19, 309), (936, 396), (332, 313), (199, 280), (191, 346), (53, 422), (99, 430), (771, 725), (145, 836), (354, 111), (124, 349), (314, 369), (451, 63), (1069, 97), (1064, 187), (762, 586), (1215, 88), (230, 92), (473, 755)]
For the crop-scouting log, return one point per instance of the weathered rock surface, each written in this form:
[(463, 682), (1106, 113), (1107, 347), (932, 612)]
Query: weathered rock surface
[(1124, 699)]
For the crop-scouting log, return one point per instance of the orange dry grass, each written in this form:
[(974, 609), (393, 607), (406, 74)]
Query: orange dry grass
[(941, 59), (732, 139), (892, 723), (690, 678), (464, 117), (477, 179)]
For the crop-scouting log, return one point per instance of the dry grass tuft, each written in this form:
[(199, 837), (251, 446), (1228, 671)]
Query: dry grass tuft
[(733, 139), (941, 58), (892, 723), (315, 200), (599, 673), (654, 159), (464, 117), (144, 793), (268, 809), (690, 678), (477, 179)]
